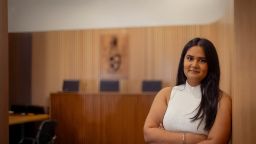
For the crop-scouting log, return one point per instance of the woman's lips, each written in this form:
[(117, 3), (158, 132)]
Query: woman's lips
[(194, 71)]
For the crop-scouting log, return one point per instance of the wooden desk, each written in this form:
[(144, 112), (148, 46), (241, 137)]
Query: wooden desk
[(100, 118), (19, 119)]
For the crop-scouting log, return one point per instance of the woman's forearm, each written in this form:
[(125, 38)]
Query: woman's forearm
[(192, 138), (158, 135)]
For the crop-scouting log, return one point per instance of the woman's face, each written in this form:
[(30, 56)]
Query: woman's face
[(195, 65)]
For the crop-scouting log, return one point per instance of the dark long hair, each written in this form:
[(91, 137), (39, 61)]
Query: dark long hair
[(211, 93)]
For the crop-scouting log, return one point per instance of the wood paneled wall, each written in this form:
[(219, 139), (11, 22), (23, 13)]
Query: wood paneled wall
[(154, 54), (100, 118), (3, 73), (243, 73)]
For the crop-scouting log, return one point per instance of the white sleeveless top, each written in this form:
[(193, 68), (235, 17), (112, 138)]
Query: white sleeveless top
[(182, 106)]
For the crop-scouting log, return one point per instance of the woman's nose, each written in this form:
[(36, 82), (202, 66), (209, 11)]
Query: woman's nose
[(195, 63)]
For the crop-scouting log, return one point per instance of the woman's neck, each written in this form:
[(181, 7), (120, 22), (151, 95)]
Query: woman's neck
[(193, 83)]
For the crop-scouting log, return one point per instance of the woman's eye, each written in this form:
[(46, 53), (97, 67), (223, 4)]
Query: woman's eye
[(203, 61), (189, 58)]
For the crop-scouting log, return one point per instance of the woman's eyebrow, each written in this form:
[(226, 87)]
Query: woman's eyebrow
[(201, 57), (196, 57), (189, 55)]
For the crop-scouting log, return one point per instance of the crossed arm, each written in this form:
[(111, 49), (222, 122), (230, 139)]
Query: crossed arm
[(154, 133)]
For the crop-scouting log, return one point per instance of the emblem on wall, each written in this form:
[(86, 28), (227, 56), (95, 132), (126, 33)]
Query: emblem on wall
[(114, 56)]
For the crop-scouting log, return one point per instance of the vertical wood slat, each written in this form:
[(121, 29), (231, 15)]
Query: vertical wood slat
[(100, 118), (243, 73)]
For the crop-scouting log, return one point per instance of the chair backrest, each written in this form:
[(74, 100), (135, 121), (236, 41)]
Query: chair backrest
[(109, 85), (19, 108), (27, 109), (35, 109), (71, 86), (46, 132), (151, 85)]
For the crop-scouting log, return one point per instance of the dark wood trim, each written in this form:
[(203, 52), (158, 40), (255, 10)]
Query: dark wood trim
[(3, 73)]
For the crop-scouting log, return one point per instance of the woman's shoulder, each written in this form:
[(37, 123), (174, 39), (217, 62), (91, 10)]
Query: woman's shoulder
[(170, 88), (165, 90), (225, 99), (165, 93), (225, 96)]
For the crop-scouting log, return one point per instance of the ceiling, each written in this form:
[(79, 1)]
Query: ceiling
[(47, 15)]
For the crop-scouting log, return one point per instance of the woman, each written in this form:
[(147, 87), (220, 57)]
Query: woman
[(195, 110)]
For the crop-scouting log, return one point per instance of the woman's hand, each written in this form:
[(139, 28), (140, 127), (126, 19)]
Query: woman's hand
[(161, 126)]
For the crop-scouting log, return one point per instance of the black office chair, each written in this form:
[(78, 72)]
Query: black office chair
[(45, 134)]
